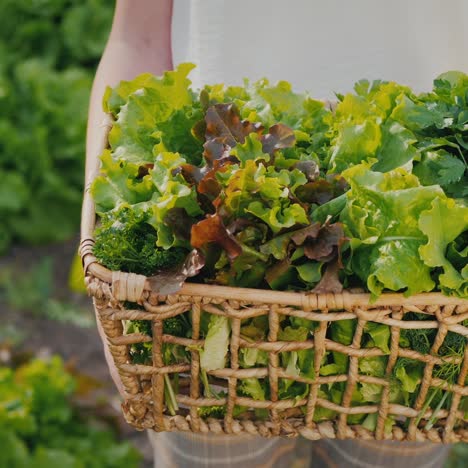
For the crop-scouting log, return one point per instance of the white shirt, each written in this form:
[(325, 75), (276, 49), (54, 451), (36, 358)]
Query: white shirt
[(321, 46)]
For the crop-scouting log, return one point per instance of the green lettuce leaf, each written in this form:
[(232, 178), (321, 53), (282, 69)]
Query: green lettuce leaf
[(397, 147), (370, 392), (416, 115), (253, 388), (171, 192), (379, 334), (341, 331), (119, 184), (374, 366), (409, 376), (241, 184), (381, 216), (251, 149), (310, 272), (355, 143), (115, 98), (271, 104), (278, 217), (264, 193), (175, 134), (214, 352), (296, 363), (133, 136), (293, 334), (442, 223), (252, 357), (365, 129)]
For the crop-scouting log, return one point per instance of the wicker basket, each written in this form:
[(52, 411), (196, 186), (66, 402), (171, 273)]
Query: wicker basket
[(144, 384)]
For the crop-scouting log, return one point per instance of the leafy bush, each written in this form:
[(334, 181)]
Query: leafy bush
[(32, 291), (41, 427), (458, 456), (46, 69)]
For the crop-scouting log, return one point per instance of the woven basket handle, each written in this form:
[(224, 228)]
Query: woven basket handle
[(88, 213)]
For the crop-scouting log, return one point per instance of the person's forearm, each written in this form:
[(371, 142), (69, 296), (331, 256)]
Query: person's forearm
[(139, 42)]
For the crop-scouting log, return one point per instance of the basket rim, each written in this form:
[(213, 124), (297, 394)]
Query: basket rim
[(346, 299)]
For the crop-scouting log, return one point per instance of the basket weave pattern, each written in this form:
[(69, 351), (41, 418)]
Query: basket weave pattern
[(144, 384)]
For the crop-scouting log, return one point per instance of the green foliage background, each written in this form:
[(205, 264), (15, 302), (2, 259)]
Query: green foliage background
[(41, 424), (49, 50)]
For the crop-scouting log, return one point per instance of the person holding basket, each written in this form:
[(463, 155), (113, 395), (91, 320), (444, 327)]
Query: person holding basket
[(318, 46)]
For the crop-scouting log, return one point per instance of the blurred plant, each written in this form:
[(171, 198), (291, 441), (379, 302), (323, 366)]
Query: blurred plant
[(46, 68), (32, 291), (76, 277), (42, 425), (458, 457), (10, 335)]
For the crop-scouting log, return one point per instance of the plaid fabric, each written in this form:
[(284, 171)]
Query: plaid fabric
[(328, 453), (180, 449)]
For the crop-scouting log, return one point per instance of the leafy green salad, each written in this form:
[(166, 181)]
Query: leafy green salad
[(273, 189), (260, 186)]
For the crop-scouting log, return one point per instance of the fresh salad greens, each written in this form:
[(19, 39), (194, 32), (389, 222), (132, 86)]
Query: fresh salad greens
[(275, 190), (259, 186), (41, 426)]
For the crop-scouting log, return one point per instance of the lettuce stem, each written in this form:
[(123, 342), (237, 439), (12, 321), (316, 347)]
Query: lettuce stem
[(169, 396), (433, 418)]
